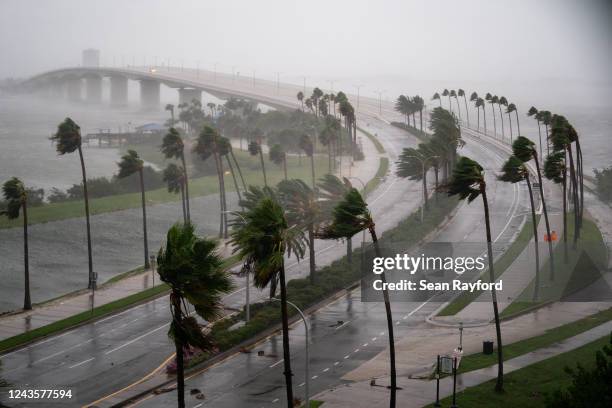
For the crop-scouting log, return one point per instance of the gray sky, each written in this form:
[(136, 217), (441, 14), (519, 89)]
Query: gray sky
[(559, 43)]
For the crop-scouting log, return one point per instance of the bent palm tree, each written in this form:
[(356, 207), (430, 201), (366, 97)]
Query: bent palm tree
[(254, 150), (511, 108), (524, 149), (351, 216), (474, 98), (461, 93), (278, 156), (453, 94), (331, 190), (174, 177), (16, 197), (492, 101), (261, 237), (480, 103), (437, 96), (555, 169), (514, 171), (537, 116), (130, 163), (193, 269), (172, 147), (469, 182), (308, 147), (68, 140)]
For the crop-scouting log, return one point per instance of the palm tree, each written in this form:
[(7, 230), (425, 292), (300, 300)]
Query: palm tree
[(461, 92), (501, 115), (555, 169), (509, 109), (329, 137), (536, 115), (447, 93), (419, 104), (351, 216), (170, 108), (254, 150), (193, 269), (480, 103), (16, 197), (546, 118), (331, 191), (278, 156), (68, 140), (454, 95), (524, 149), (225, 150), (469, 182), (307, 146), (302, 209), (172, 147), (130, 164), (206, 146), (493, 100), (437, 96), (474, 98), (413, 164), (300, 97), (514, 171), (261, 237), (174, 176)]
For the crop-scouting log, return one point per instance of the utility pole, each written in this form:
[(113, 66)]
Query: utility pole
[(198, 69), (277, 83), (215, 72)]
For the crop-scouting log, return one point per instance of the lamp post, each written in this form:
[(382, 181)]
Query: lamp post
[(358, 88), (380, 100), (247, 311), (152, 262), (460, 336), (307, 365)]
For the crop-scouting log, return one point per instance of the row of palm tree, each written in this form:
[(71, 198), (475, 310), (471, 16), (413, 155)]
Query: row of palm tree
[(408, 106)]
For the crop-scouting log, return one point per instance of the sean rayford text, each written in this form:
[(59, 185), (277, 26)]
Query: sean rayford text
[(424, 263), (424, 285)]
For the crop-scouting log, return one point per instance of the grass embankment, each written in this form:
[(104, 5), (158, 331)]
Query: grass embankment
[(502, 263), (82, 318), (479, 360), (197, 187), (530, 386), (379, 147), (421, 135), (583, 267), (383, 168), (328, 281)]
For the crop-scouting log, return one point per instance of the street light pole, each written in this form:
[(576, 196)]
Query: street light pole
[(423, 160), (307, 365), (247, 311)]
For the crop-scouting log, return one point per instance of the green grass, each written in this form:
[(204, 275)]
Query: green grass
[(379, 147), (81, 318), (530, 386), (383, 168), (479, 360), (576, 274), (315, 404), (197, 187), (502, 263)]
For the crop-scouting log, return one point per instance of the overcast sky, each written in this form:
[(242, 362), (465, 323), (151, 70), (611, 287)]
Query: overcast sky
[(505, 42)]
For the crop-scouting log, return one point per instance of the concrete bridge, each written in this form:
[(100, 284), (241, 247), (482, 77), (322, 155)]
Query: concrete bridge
[(84, 84)]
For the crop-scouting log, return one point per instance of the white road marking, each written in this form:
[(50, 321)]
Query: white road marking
[(136, 339), (346, 357), (314, 377), (81, 363), (365, 344), (336, 363), (342, 325), (301, 385), (325, 370), (275, 400), (277, 363)]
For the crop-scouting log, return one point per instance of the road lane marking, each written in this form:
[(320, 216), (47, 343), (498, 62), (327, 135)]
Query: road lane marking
[(342, 325), (336, 363), (365, 344), (82, 362), (301, 385), (277, 363), (275, 400), (346, 357), (325, 369), (136, 339)]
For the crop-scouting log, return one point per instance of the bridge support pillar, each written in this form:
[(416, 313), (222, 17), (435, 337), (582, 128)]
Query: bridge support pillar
[(93, 86), (118, 90), (73, 89), (186, 95), (149, 94)]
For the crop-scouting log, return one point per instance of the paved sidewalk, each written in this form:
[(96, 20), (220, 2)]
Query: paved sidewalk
[(417, 393), (72, 304)]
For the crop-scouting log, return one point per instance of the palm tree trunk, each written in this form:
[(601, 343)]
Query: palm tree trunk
[(329, 157), (144, 219), (311, 253), (285, 165), (286, 351), (581, 178), (484, 118), (510, 120), (312, 171), (187, 207), (540, 136), (27, 301), (536, 288), (436, 169), (545, 210), (518, 123), (178, 343), (349, 250), (425, 198), (501, 116), (87, 221), (565, 208), (547, 140), (183, 203), (458, 107), (499, 386), (239, 170), (467, 112), (440, 101), (421, 119), (478, 111), (494, 122), (231, 169), (263, 166), (574, 181), (393, 373)]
